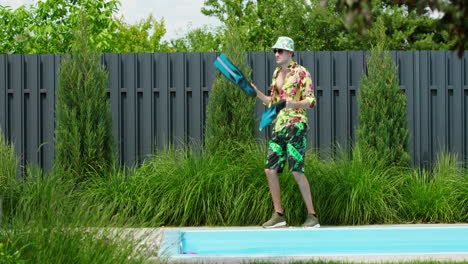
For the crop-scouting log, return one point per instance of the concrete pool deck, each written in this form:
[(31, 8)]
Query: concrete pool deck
[(152, 238)]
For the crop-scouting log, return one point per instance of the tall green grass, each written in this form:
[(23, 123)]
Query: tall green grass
[(356, 189), (53, 217), (8, 167), (51, 223), (183, 187), (440, 195), (186, 187), (61, 245)]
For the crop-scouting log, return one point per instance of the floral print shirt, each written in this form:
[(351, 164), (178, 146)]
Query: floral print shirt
[(297, 86)]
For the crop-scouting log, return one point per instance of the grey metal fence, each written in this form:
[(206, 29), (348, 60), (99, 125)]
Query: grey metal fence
[(161, 98)]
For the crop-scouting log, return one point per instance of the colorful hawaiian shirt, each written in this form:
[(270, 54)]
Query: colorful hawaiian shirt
[(297, 86)]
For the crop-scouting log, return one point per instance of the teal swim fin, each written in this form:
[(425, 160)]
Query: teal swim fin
[(231, 72), (271, 114)]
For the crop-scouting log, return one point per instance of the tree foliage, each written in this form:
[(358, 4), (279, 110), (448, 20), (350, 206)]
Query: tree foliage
[(382, 130), (83, 138), (454, 15), (144, 36), (202, 39), (49, 26), (316, 28), (230, 111)]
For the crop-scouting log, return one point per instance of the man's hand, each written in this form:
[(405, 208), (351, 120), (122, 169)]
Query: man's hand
[(265, 99)]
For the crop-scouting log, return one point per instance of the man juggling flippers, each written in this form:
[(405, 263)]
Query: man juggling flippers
[(225, 66)]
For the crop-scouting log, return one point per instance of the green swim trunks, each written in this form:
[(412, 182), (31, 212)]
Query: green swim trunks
[(289, 143)]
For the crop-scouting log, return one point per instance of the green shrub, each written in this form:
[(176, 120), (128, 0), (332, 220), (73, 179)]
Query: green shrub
[(83, 138), (436, 196), (230, 111), (382, 127), (355, 190)]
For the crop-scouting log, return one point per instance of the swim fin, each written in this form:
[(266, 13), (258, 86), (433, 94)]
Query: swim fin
[(231, 72), (271, 114)]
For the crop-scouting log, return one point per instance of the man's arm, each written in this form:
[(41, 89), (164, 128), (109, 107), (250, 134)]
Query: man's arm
[(265, 99), (305, 103)]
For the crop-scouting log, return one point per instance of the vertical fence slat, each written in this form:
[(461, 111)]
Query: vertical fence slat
[(324, 102), (424, 94), (178, 73), (356, 64), (47, 109), (307, 59), (17, 113), (32, 117), (406, 72), (3, 94), (161, 75), (440, 121), (129, 105), (340, 76), (111, 61), (416, 108), (145, 115), (464, 81), (455, 104), (194, 122), (258, 63)]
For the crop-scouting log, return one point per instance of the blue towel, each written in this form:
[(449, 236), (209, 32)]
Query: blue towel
[(271, 114), (231, 72)]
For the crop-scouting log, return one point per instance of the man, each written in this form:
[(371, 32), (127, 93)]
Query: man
[(291, 82)]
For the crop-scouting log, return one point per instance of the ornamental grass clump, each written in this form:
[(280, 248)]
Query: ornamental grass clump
[(439, 195), (356, 189), (8, 167)]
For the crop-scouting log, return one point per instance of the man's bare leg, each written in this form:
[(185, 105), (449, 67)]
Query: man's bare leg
[(304, 187), (273, 183)]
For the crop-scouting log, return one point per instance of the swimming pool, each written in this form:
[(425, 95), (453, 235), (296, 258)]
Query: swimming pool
[(332, 241)]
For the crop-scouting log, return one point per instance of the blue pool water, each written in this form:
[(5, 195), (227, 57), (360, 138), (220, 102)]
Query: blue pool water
[(316, 242)]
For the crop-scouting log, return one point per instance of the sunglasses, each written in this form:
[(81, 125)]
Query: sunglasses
[(280, 51)]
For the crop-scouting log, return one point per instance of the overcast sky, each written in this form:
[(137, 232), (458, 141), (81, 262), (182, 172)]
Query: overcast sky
[(178, 14)]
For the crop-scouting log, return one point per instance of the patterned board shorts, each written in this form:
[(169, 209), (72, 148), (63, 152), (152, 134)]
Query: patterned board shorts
[(288, 143)]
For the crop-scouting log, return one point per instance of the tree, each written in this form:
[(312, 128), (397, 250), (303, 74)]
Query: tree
[(230, 111), (49, 26), (316, 28), (454, 18), (202, 39), (144, 36), (83, 138), (382, 130), (13, 31)]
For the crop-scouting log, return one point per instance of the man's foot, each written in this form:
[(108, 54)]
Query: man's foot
[(276, 220), (311, 221)]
